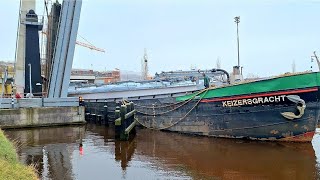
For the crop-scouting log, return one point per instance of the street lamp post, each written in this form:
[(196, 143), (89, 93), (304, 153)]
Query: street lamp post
[(30, 83), (237, 20)]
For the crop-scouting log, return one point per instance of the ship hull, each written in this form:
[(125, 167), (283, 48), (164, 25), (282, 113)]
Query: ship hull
[(230, 117), (285, 108)]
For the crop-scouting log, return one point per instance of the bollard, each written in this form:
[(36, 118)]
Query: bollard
[(117, 123), (101, 113), (128, 107), (125, 122), (132, 108), (117, 105), (86, 109), (132, 125), (87, 116), (93, 117), (117, 112), (123, 112), (105, 115), (99, 119), (129, 120), (131, 105)]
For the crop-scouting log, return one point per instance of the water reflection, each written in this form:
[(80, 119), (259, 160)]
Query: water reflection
[(123, 152), (160, 155), (230, 159), (48, 149)]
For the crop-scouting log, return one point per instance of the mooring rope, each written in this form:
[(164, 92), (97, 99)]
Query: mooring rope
[(158, 107), (184, 103), (161, 106), (182, 118)]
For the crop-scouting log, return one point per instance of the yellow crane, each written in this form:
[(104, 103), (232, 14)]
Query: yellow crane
[(90, 46), (87, 45)]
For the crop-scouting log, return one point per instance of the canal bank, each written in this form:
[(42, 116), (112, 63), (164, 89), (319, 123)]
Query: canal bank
[(10, 167), (39, 112), (41, 116)]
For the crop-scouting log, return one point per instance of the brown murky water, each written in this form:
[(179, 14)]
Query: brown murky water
[(161, 155)]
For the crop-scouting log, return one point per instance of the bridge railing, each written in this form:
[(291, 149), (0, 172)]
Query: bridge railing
[(9, 103)]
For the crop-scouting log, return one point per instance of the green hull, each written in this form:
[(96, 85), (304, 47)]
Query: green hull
[(297, 81)]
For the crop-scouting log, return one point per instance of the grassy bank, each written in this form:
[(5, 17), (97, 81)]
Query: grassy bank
[(10, 167)]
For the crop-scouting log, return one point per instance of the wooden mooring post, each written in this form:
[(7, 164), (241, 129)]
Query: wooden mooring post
[(105, 115), (123, 117), (125, 122), (95, 113)]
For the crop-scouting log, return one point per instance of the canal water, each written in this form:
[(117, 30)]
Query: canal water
[(57, 154)]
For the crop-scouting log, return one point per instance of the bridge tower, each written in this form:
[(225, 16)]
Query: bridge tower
[(19, 67)]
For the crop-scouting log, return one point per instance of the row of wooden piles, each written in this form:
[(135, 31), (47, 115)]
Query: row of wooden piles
[(119, 116)]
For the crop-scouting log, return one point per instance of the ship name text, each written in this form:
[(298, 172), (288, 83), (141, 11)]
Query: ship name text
[(252, 101)]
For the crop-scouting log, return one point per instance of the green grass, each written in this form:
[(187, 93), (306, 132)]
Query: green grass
[(10, 167)]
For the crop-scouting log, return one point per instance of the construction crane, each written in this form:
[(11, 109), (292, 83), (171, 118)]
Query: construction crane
[(144, 66), (317, 59), (87, 45)]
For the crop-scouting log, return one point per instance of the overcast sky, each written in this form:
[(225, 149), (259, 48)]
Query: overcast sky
[(179, 34)]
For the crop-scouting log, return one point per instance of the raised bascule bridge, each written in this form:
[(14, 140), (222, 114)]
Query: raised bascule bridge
[(39, 96), (43, 69)]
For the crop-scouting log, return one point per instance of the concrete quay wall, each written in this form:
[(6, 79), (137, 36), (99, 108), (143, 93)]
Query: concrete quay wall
[(41, 116)]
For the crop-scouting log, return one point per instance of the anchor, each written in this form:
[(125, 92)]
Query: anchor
[(301, 105)]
